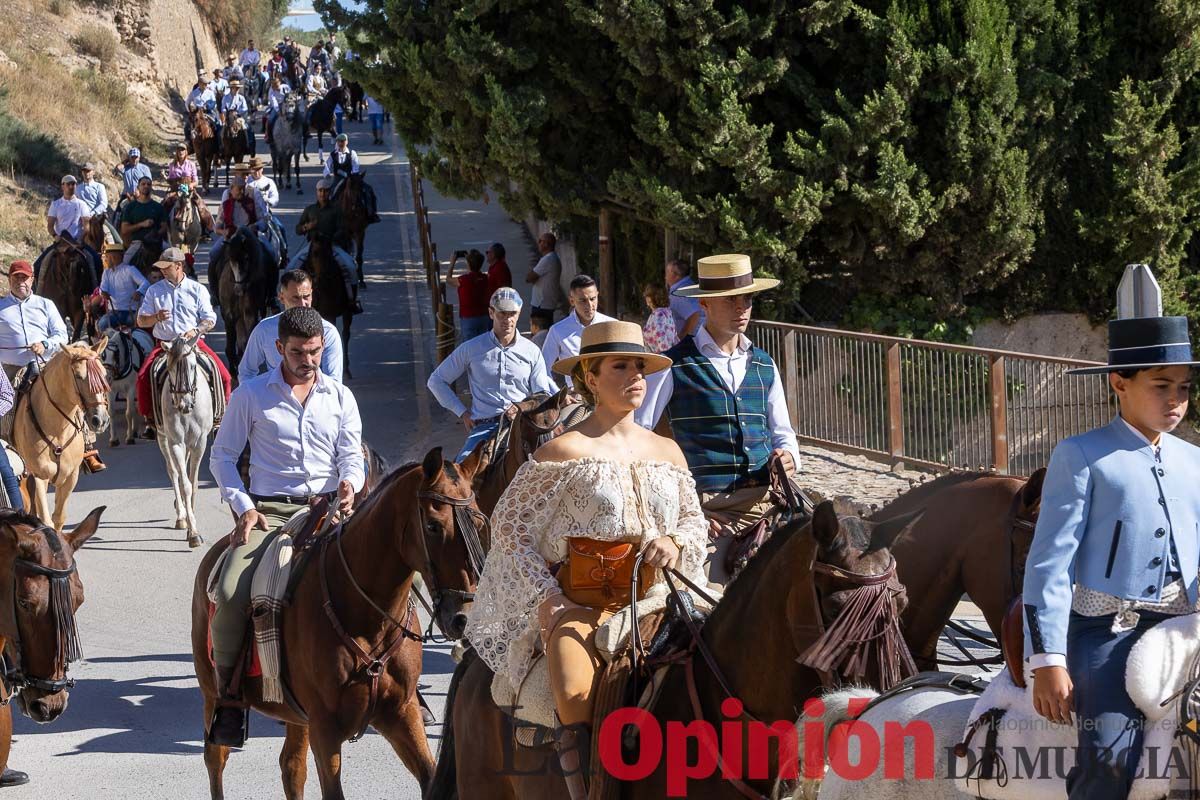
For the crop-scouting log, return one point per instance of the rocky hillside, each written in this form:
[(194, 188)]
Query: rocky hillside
[(83, 80)]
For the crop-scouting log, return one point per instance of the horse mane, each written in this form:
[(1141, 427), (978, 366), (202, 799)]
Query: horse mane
[(11, 516), (385, 483)]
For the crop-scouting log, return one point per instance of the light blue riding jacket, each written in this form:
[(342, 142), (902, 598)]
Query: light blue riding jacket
[(1110, 511)]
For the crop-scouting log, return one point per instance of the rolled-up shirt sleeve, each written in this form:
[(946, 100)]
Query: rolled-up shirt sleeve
[(227, 447), (349, 444)]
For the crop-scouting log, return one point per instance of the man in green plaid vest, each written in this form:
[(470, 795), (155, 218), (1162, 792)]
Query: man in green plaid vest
[(724, 398)]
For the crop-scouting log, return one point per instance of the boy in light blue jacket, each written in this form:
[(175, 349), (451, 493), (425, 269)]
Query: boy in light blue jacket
[(1116, 548)]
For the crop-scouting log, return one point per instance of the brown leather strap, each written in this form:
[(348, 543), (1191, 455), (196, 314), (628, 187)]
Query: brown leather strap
[(698, 713)]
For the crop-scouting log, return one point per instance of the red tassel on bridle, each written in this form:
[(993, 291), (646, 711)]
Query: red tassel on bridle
[(97, 377)]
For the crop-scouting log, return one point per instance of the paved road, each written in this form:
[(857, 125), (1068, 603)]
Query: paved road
[(133, 728)]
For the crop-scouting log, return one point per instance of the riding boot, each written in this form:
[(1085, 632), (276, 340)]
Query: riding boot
[(13, 777), (358, 306), (574, 746), (92, 462), (230, 720)]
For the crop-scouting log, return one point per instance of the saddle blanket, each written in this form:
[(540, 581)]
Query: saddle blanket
[(158, 379), (267, 589), (1157, 669)]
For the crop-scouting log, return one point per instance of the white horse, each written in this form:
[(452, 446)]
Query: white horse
[(122, 359), (187, 411)]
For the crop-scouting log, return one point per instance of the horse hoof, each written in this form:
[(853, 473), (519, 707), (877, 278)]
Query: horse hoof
[(181, 525), (114, 443), (130, 440), (194, 540)]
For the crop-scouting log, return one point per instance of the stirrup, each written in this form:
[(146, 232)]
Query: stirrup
[(573, 744), (229, 726)]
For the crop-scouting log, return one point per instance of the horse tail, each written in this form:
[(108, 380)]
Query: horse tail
[(444, 785)]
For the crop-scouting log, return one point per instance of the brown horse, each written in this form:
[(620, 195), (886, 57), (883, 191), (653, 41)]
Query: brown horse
[(234, 146), (71, 392), (419, 519), (974, 543), (807, 578), (330, 298), (205, 146), (67, 279), (98, 231), (539, 418), (351, 199), (244, 286)]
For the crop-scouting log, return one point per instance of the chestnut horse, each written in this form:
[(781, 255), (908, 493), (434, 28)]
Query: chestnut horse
[(71, 392), (975, 543), (419, 519), (808, 576)]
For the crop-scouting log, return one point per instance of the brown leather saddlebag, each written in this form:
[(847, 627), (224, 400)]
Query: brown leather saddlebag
[(599, 574)]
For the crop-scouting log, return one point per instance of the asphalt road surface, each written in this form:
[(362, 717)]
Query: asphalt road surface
[(134, 728)]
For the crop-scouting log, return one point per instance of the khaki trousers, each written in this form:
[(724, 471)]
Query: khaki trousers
[(732, 511), (233, 589), (574, 663)]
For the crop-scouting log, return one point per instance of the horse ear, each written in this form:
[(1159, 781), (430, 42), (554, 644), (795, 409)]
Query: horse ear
[(1031, 492), (432, 465), (84, 530), (885, 534), (101, 344), (825, 526), (469, 467), (561, 399)]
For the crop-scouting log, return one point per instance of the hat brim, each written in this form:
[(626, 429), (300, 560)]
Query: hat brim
[(655, 362), (162, 264), (759, 285), (1100, 370)]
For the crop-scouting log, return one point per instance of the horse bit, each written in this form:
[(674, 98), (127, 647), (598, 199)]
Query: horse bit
[(67, 647)]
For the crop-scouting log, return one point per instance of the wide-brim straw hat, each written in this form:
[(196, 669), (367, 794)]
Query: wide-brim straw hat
[(724, 276), (613, 339), (114, 247), (255, 163)]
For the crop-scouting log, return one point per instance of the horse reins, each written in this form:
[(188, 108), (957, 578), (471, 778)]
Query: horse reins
[(467, 524), (189, 387), (97, 383), (67, 645)]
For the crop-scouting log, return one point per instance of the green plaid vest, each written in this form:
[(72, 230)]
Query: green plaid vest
[(723, 435)]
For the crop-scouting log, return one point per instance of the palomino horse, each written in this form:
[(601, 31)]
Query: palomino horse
[(122, 358), (362, 666), (975, 542), (187, 411), (67, 279), (351, 199), (71, 392), (244, 287), (206, 148), (38, 627), (287, 139), (807, 582), (331, 300), (234, 146)]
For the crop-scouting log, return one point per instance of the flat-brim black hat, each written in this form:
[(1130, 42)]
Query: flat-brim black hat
[(1145, 343)]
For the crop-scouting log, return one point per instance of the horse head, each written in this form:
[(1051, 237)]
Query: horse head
[(37, 613), (94, 235), (182, 369), (78, 369)]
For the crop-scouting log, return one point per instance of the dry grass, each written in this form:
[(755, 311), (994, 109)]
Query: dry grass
[(61, 8), (96, 41), (23, 223)]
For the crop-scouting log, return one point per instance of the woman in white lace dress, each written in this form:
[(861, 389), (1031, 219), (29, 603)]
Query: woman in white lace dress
[(607, 480)]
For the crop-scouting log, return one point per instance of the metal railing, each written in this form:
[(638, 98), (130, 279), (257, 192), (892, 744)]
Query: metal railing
[(928, 403), (442, 312)]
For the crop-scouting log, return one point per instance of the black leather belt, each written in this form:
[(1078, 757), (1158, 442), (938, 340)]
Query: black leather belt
[(487, 420), (292, 499)]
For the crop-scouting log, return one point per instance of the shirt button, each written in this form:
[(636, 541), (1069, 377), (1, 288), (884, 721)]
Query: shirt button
[(1156, 561), (1161, 472), (1150, 590), (1161, 532), (1162, 501)]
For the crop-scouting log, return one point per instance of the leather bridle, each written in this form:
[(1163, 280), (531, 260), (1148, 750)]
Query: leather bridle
[(14, 677), (188, 386), (468, 522), (97, 381)]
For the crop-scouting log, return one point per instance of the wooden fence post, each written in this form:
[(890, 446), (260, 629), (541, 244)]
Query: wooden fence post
[(608, 289), (791, 378), (998, 402), (895, 403)]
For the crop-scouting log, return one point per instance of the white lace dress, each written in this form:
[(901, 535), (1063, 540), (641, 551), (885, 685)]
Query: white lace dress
[(549, 502)]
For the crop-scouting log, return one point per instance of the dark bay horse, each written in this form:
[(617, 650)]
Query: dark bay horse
[(322, 120), (234, 146), (330, 298), (206, 147), (287, 139), (68, 279), (974, 541), (243, 274), (808, 577), (358, 101), (412, 522), (38, 627), (352, 200)]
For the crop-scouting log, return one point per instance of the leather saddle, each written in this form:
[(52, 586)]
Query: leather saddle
[(790, 503)]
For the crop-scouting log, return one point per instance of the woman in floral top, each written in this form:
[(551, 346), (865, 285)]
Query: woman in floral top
[(660, 327)]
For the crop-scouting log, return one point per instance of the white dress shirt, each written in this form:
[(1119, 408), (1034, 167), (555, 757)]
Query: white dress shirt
[(250, 58), (564, 337), (234, 102), (373, 105), (732, 369), (275, 97), (499, 376), (354, 170), (68, 216), (261, 355), (547, 292), (200, 97), (29, 321), (188, 302), (267, 190), (121, 283), (294, 449)]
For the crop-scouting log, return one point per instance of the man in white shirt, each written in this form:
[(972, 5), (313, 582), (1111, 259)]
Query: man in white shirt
[(305, 438), (562, 340), (261, 355), (375, 115), (67, 216), (92, 192), (276, 96), (231, 69), (269, 192), (502, 368), (175, 306), (725, 399), (220, 84), (546, 275), (123, 287), (250, 58)]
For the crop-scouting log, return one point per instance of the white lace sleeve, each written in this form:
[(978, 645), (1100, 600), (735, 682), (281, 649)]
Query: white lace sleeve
[(516, 578), (691, 531)]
